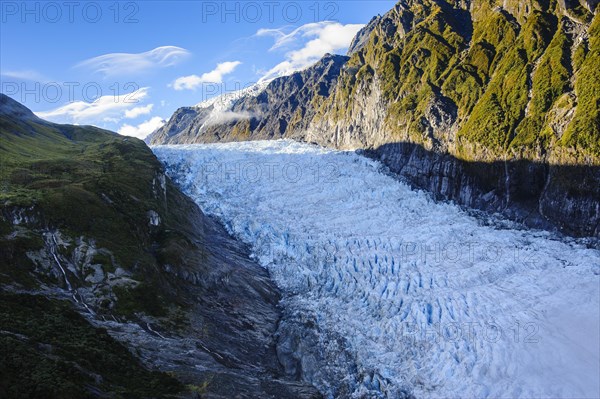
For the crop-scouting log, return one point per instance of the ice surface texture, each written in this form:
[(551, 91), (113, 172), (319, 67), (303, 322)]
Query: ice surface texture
[(401, 294)]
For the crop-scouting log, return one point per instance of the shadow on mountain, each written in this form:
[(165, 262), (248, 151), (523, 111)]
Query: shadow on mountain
[(540, 195)]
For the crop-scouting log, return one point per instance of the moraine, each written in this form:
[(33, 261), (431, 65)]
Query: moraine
[(388, 293)]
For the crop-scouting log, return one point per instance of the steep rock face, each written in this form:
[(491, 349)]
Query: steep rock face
[(540, 195), (90, 223), (500, 97), (184, 119), (188, 124), (285, 107), (482, 81), (362, 37)]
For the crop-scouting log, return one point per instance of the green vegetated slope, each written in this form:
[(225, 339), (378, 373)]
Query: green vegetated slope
[(520, 79), (96, 190), (96, 241), (48, 350), (87, 182)]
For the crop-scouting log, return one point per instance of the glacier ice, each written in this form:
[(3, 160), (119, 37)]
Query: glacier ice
[(391, 293)]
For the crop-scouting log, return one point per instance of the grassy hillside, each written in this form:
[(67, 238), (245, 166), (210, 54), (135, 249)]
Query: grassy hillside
[(48, 350), (93, 234), (100, 193), (86, 182), (518, 79)]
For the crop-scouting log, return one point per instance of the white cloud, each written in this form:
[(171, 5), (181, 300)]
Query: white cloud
[(132, 63), (221, 117), (325, 37), (28, 74), (137, 111), (104, 108), (192, 82), (142, 130), (111, 120)]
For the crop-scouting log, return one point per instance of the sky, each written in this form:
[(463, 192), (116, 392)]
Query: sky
[(127, 66)]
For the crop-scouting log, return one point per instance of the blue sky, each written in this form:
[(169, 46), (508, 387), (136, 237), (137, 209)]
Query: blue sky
[(126, 66)]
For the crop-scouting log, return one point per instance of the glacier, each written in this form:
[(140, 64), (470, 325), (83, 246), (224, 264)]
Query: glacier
[(388, 293)]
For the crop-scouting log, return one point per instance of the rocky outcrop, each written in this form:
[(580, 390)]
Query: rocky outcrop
[(489, 104), (362, 37), (183, 120), (563, 197)]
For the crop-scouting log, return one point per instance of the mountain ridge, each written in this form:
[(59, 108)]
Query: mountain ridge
[(249, 115)]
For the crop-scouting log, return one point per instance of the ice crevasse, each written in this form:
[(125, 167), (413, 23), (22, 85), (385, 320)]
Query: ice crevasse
[(402, 295)]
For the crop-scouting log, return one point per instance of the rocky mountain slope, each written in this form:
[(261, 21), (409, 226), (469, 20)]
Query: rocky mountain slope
[(493, 104), (114, 284), (267, 110)]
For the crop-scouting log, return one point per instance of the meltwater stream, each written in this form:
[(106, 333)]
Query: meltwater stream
[(387, 293)]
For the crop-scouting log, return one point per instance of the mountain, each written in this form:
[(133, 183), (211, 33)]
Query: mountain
[(203, 116), (114, 284), (266, 110), (492, 104)]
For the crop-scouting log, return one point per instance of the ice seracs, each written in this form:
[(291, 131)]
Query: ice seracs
[(398, 294)]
